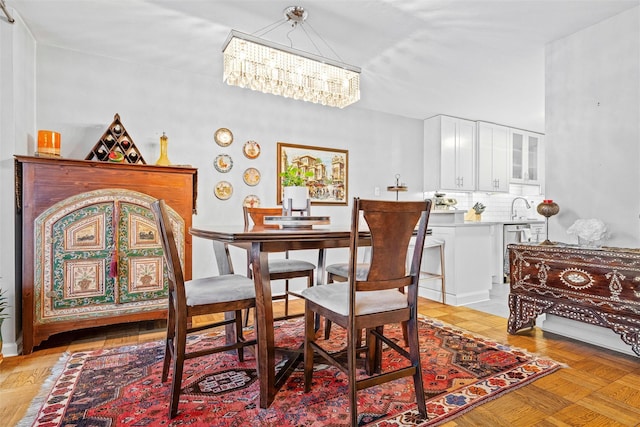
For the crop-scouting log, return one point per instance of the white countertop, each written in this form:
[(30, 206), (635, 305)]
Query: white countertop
[(483, 223), (455, 218)]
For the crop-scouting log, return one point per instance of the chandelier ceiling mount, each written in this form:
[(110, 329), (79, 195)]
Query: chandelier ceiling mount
[(295, 14)]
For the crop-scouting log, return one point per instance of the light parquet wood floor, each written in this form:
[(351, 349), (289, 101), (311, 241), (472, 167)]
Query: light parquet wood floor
[(598, 388)]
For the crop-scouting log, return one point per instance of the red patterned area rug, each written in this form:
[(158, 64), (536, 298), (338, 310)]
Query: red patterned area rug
[(121, 386)]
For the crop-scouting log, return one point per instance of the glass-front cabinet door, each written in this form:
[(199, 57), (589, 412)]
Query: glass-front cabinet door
[(526, 157)]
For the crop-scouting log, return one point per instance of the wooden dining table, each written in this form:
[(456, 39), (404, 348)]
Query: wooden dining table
[(260, 242)]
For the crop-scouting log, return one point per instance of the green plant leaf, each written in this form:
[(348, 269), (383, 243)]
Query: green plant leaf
[(294, 177)]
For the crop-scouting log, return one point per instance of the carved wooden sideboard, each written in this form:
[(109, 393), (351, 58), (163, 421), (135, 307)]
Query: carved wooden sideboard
[(88, 252), (599, 286)]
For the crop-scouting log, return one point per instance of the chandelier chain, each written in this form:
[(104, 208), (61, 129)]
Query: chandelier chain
[(323, 41), (273, 26)]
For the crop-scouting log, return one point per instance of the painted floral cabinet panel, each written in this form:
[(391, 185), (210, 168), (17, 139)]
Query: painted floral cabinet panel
[(139, 250), (100, 255), (76, 274)]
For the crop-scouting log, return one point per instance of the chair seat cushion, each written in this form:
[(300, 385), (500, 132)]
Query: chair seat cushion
[(289, 265), (342, 270), (335, 297), (209, 290)]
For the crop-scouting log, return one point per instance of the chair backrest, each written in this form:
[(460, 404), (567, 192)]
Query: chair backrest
[(391, 224), (171, 256), (255, 217)]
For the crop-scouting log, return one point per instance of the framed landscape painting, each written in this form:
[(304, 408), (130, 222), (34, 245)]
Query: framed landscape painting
[(325, 171)]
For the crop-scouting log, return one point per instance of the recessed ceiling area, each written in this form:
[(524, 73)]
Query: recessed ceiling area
[(482, 60)]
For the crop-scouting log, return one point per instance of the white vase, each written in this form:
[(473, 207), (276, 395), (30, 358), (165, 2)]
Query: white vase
[(298, 196)]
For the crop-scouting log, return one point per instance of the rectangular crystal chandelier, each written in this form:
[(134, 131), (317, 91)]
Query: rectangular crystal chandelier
[(258, 64)]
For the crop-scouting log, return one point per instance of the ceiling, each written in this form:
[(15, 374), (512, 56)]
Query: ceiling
[(482, 60)]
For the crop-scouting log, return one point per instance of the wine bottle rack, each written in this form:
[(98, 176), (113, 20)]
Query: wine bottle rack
[(116, 139)]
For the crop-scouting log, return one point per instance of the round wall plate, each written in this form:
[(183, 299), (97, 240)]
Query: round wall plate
[(251, 201), (223, 163), (223, 190), (251, 176), (251, 149), (223, 137)]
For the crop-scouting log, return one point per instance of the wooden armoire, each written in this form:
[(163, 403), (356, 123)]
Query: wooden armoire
[(87, 250)]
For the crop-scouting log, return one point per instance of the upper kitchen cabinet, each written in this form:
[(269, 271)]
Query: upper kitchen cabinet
[(527, 157), (449, 154), (493, 157)]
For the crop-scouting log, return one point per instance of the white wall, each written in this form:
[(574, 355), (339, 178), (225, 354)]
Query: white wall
[(593, 142), (593, 128), (17, 121)]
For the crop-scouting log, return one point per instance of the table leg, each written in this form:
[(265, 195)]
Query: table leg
[(264, 325), (321, 266)]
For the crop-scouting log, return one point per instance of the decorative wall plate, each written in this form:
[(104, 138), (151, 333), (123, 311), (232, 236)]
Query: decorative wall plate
[(251, 201), (251, 149), (223, 163), (223, 190), (223, 137), (251, 176)]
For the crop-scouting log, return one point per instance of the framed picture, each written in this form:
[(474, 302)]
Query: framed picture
[(326, 171)]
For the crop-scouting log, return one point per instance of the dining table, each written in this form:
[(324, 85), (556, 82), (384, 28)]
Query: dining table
[(260, 241)]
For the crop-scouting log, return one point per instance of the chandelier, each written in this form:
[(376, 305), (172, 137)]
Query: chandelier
[(258, 64)]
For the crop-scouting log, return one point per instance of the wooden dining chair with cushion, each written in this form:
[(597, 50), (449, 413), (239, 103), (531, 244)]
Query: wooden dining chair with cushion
[(372, 302), (219, 294), (279, 268)]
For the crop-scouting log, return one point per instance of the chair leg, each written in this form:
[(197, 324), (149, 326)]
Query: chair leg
[(309, 337), (286, 298), (353, 339), (370, 364), (239, 336), (327, 322), (414, 353), (374, 351), (170, 341), (442, 272), (246, 317), (405, 334), (180, 343), (327, 329)]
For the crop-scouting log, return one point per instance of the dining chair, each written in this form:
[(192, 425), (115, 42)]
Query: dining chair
[(377, 300), (279, 268), (219, 294)]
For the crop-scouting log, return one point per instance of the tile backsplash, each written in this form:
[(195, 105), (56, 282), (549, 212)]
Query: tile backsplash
[(498, 205)]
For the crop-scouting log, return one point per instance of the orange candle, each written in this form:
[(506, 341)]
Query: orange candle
[(48, 143)]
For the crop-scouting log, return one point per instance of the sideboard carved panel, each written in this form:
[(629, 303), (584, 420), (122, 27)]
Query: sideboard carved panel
[(596, 286)]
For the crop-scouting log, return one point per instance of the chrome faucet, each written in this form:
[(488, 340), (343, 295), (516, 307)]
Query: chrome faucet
[(513, 202)]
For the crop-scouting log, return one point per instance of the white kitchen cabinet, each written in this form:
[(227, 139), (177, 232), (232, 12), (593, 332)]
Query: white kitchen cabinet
[(527, 157), (449, 154), (493, 157)]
